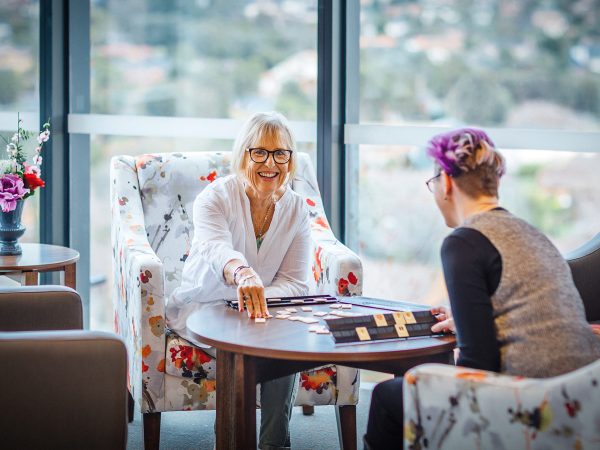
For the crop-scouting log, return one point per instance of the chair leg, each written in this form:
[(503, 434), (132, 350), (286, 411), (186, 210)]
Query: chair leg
[(346, 421), (130, 406), (308, 410), (151, 427)]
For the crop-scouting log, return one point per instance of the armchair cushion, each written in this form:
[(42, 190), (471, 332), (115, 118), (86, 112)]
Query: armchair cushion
[(329, 385), (40, 308), (320, 386), (454, 407), (186, 360)]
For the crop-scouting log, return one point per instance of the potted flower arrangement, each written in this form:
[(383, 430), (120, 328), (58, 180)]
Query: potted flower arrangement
[(18, 181)]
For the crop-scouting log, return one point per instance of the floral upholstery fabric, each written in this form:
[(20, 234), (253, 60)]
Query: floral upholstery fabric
[(449, 407), (184, 360), (151, 207)]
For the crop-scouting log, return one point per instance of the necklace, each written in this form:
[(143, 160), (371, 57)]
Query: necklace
[(260, 237)]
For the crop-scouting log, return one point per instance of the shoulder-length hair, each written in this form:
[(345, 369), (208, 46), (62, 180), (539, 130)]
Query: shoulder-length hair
[(263, 126)]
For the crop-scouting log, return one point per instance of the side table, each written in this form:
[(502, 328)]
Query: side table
[(38, 258)]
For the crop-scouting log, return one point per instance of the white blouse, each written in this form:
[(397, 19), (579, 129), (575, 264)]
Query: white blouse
[(223, 231)]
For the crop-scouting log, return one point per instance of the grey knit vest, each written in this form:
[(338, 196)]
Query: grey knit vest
[(538, 312)]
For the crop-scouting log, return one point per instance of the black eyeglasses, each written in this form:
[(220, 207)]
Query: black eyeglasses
[(429, 182), (260, 155)]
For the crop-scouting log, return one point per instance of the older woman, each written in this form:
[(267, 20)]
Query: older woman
[(251, 241), (516, 308)]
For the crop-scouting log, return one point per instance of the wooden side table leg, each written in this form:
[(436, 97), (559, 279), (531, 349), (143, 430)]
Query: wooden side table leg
[(236, 401), (70, 275), (31, 278)]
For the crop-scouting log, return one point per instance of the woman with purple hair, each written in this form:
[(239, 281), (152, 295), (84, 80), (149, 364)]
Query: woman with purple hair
[(510, 289)]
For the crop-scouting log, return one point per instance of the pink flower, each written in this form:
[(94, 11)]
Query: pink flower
[(43, 136), (11, 190), (32, 169)]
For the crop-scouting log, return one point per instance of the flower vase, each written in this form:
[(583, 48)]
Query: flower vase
[(11, 230)]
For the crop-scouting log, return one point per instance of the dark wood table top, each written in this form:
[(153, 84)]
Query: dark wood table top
[(37, 256), (227, 329)]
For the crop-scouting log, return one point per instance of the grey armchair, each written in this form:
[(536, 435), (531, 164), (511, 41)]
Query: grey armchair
[(62, 387), (585, 267)]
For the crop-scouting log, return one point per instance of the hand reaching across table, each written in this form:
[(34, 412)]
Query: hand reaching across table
[(445, 321), (251, 292)]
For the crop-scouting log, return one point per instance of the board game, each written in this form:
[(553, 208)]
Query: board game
[(292, 301), (368, 302), (404, 321), (377, 327)]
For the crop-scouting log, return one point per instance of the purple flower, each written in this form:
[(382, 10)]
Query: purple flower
[(11, 190), (451, 150)]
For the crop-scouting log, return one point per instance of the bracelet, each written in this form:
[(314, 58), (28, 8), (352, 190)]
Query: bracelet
[(247, 277), (235, 272)]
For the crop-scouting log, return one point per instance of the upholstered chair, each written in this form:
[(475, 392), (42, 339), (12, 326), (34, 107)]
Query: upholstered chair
[(62, 387), (151, 203), (454, 407)]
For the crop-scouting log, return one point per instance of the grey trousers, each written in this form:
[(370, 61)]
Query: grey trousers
[(277, 399)]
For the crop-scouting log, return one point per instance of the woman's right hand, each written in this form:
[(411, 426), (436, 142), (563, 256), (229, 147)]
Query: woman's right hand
[(445, 321), (251, 292)]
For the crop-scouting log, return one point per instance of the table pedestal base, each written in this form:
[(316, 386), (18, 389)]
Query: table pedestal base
[(237, 376)]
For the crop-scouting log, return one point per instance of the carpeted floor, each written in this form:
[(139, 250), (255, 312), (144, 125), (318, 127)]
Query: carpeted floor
[(194, 429)]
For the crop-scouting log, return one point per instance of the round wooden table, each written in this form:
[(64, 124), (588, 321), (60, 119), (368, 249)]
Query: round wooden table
[(38, 258), (250, 353)]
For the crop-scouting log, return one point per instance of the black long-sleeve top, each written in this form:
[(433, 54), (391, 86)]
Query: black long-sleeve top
[(472, 270)]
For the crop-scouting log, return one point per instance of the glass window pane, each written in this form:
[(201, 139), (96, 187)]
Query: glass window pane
[(19, 46), (19, 86), (225, 59), (220, 59), (401, 230), (530, 63)]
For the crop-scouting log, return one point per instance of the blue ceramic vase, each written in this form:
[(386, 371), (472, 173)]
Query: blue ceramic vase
[(11, 230)]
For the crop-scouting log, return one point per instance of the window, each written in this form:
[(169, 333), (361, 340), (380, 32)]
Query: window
[(526, 71), (222, 59), (19, 85), (206, 60), (529, 64)]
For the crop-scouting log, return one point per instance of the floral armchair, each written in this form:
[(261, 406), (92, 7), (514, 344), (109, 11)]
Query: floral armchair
[(151, 207), (449, 407)]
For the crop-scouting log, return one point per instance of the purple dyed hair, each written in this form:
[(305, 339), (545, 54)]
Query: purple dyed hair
[(452, 151)]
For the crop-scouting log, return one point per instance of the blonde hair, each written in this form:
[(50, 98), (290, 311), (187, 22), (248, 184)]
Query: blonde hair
[(260, 127)]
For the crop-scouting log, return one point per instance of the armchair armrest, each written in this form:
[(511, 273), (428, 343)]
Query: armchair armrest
[(63, 389), (139, 300), (337, 270), (34, 308), (457, 407)]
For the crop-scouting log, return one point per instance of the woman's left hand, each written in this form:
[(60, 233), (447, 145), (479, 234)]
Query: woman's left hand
[(251, 292)]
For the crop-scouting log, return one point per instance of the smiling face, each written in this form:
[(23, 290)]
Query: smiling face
[(267, 177)]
